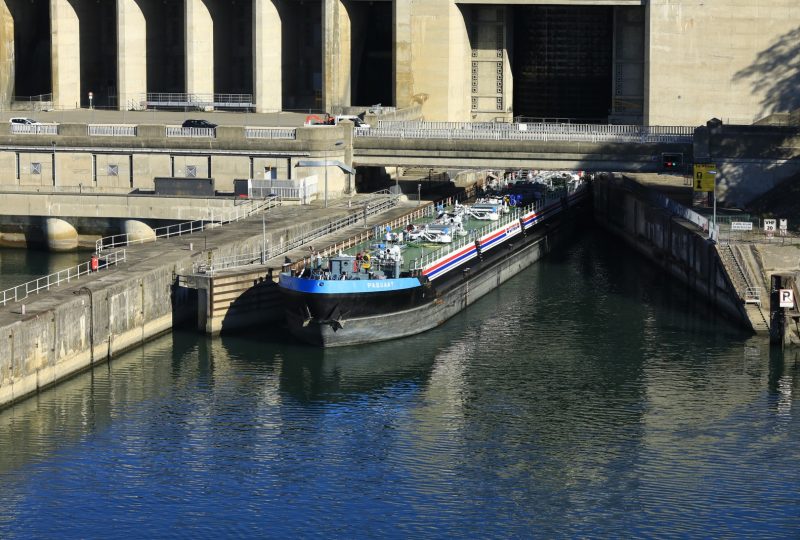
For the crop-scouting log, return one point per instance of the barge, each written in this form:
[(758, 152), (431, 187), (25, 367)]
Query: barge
[(412, 279)]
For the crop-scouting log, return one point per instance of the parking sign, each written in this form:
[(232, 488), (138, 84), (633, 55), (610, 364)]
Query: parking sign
[(786, 298)]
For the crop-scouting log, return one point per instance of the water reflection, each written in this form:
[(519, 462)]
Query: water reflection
[(579, 399)]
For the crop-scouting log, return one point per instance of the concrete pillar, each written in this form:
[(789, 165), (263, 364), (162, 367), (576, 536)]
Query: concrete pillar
[(6, 56), (66, 54), (131, 53), (432, 59), (336, 83), (401, 54), (60, 235), (138, 231), (199, 48), (267, 56)]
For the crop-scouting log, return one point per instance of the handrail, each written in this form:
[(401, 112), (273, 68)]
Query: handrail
[(514, 215), (21, 292), (34, 129), (197, 133), (270, 133), (111, 130), (263, 255), (528, 132), (188, 227)]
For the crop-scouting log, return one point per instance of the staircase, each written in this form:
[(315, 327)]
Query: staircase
[(748, 293)]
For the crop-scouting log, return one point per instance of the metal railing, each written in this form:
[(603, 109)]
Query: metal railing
[(34, 129), (111, 130), (200, 133), (514, 215), (188, 227), (177, 99), (263, 255), (21, 292), (529, 132), (752, 295), (270, 133)]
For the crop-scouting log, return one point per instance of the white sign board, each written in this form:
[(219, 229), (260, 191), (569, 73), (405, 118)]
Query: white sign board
[(786, 298), (770, 225), (783, 224), (741, 226)]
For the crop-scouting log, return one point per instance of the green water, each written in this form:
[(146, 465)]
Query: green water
[(588, 397)]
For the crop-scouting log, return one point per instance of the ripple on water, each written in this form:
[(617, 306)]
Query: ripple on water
[(578, 400)]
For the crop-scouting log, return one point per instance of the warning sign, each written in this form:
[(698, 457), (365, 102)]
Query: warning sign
[(705, 175), (786, 298)]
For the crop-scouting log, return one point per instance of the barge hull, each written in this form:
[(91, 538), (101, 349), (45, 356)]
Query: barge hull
[(459, 293)]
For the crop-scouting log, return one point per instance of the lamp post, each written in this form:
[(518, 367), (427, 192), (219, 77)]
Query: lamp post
[(336, 145), (55, 183)]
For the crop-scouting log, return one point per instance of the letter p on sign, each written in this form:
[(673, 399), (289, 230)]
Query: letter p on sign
[(786, 298)]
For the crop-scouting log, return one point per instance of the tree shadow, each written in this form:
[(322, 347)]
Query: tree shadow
[(775, 74)]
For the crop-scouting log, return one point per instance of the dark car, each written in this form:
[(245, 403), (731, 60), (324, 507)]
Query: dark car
[(198, 124)]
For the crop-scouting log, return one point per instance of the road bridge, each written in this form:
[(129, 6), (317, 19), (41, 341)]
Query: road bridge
[(529, 146)]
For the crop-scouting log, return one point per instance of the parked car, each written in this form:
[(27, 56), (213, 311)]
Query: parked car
[(23, 121), (195, 123)]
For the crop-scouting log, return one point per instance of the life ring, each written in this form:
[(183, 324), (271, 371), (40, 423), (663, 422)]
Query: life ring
[(355, 265)]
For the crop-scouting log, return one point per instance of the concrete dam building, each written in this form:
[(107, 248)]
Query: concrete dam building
[(658, 62)]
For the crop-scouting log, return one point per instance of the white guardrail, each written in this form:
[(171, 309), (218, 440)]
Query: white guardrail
[(196, 133), (545, 132), (34, 129), (21, 292), (270, 133), (262, 256), (112, 130), (188, 227)]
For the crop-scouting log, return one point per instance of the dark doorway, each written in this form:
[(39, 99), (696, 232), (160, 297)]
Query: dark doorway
[(371, 52), (98, 43), (301, 49), (166, 45), (32, 59), (562, 62), (233, 46)]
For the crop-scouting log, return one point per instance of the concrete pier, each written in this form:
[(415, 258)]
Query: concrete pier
[(66, 54), (94, 318), (336, 66), (131, 53), (199, 28), (267, 56)]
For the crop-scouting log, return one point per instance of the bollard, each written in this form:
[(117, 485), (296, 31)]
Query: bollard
[(191, 246), (22, 309)]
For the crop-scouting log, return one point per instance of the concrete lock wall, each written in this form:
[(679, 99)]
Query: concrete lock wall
[(182, 166), (35, 169), (669, 243), (103, 321), (112, 170), (147, 166)]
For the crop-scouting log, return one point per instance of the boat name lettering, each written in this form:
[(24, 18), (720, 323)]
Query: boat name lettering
[(380, 285)]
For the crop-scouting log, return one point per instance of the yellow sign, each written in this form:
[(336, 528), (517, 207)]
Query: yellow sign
[(705, 175)]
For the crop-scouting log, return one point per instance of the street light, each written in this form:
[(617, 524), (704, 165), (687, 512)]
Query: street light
[(53, 143), (336, 144), (317, 164)]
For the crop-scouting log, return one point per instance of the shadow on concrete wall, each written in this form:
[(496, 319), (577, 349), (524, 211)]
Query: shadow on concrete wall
[(775, 74)]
